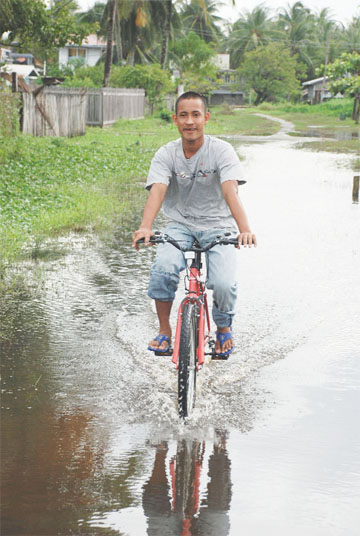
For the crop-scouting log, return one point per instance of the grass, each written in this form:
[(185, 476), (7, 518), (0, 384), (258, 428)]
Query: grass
[(240, 121), (334, 114), (50, 185)]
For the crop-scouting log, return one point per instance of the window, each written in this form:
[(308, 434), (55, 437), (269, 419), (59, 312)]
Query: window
[(76, 53)]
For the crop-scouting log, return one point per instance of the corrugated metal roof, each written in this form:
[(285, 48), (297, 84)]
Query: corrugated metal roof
[(315, 81), (25, 71)]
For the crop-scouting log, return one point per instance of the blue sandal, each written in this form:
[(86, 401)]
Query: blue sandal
[(160, 339), (223, 337)]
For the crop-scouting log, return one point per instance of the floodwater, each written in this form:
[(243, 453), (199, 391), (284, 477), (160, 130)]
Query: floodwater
[(91, 442)]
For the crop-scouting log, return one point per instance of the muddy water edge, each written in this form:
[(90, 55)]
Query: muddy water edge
[(91, 442)]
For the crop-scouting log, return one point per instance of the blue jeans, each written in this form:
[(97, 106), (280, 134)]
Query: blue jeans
[(221, 270)]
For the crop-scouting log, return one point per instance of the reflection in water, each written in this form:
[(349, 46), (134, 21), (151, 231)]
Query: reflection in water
[(174, 508)]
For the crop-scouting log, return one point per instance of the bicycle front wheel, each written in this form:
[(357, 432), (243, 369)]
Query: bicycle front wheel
[(187, 360)]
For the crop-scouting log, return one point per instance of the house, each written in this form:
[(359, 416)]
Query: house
[(230, 83), (89, 52), (17, 58), (28, 72), (4, 54), (316, 91)]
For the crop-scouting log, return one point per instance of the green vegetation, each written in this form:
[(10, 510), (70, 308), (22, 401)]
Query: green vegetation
[(54, 184), (41, 29), (344, 78), (152, 78), (270, 72), (226, 120), (183, 36), (9, 114), (334, 114), (195, 60)]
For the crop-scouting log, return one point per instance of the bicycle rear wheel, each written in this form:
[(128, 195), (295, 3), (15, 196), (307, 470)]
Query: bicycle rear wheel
[(187, 360)]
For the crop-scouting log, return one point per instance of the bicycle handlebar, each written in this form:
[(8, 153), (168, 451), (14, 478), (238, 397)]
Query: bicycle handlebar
[(159, 238)]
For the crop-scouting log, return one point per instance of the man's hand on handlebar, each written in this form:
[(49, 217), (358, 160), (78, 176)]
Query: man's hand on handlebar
[(139, 234), (246, 239)]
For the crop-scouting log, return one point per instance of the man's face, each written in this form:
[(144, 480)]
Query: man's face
[(191, 119)]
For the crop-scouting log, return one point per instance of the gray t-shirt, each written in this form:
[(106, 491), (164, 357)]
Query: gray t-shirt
[(194, 196)]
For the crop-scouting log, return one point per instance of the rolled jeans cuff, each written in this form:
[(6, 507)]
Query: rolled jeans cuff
[(162, 285)]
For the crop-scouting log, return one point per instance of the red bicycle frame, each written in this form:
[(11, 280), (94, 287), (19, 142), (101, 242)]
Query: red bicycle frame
[(196, 293)]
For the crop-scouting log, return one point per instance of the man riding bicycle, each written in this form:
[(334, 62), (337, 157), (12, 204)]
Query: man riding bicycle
[(195, 180)]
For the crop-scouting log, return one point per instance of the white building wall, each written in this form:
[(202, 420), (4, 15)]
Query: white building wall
[(63, 56), (222, 61), (92, 56)]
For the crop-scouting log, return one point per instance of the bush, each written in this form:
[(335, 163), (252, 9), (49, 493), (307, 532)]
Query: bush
[(9, 113), (78, 75), (152, 78), (226, 109), (85, 82), (165, 115), (332, 107)]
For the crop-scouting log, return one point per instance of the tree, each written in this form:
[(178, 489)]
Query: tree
[(109, 41), (200, 17), (191, 53), (152, 78), (94, 15), (251, 30), (344, 78), (271, 72), (166, 33), (195, 60), (326, 35), (41, 30), (298, 25), (351, 36)]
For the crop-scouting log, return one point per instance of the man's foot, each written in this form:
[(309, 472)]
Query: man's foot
[(160, 343), (224, 341)]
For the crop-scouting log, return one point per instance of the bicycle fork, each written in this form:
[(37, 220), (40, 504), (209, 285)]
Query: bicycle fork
[(196, 294)]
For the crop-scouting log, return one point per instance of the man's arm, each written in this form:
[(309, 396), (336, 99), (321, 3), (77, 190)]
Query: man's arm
[(152, 207), (229, 190)]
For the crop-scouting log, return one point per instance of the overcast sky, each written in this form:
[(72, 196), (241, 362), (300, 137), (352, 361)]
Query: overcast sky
[(341, 10)]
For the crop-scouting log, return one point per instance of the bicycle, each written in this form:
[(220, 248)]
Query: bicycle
[(192, 333)]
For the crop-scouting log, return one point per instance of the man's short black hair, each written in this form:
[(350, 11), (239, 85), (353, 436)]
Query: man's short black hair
[(190, 95)]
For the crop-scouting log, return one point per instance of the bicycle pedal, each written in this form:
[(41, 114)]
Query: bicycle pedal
[(217, 357), (168, 353)]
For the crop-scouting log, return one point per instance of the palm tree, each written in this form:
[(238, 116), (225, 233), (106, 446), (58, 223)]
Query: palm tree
[(326, 34), (351, 36), (166, 33), (94, 14), (111, 5), (254, 28), (298, 25), (200, 17)]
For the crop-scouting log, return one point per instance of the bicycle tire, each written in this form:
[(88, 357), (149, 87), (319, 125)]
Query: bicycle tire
[(187, 360)]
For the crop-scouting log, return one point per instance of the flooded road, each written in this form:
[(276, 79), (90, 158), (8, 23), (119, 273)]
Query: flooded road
[(91, 442)]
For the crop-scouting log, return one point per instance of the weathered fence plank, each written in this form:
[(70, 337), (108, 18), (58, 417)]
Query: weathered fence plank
[(55, 111), (107, 105), (59, 111)]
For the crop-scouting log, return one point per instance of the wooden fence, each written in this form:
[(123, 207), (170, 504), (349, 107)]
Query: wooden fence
[(60, 111), (107, 105), (55, 111)]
